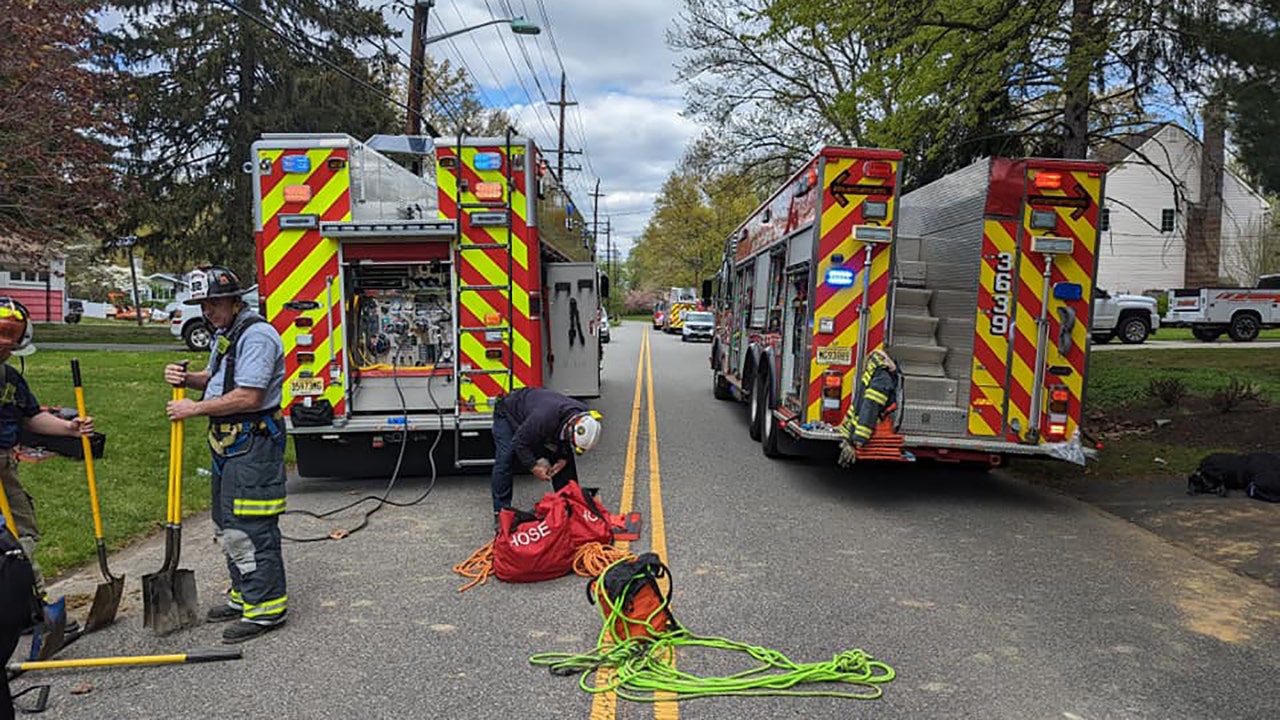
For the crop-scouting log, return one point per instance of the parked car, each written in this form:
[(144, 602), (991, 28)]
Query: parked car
[(604, 325), (186, 322), (1132, 318), (1241, 313), (698, 325), (75, 311)]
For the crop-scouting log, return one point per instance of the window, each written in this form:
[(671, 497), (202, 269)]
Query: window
[(1104, 219), (1166, 220)]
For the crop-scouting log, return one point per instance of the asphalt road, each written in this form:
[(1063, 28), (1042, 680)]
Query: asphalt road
[(990, 598)]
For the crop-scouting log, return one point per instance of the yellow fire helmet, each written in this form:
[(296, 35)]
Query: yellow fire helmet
[(15, 327), (584, 430)]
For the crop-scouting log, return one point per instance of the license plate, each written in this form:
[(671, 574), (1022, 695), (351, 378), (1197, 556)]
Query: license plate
[(303, 387), (835, 355)]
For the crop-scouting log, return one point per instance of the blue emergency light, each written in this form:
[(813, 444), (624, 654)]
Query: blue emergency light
[(1068, 291), (296, 163), (488, 161), (839, 277)]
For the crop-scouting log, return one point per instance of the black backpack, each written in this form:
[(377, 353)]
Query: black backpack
[(1264, 477), (20, 606), (1219, 473)]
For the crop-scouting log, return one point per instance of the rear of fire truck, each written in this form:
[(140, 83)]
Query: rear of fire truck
[(408, 304), (979, 285)]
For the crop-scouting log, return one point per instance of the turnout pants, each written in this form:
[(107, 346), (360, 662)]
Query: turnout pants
[(248, 497), (504, 464), (24, 511)]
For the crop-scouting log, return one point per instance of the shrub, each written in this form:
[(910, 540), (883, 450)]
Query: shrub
[(1234, 394), (1170, 391)]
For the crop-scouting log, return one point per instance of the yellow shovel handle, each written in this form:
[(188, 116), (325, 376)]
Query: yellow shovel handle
[(180, 444), (8, 513)]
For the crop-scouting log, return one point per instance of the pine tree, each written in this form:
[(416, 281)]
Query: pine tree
[(211, 77)]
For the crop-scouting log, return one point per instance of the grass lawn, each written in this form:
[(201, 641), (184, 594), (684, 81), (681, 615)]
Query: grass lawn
[(1184, 334), (1120, 412), (125, 395), (90, 330)]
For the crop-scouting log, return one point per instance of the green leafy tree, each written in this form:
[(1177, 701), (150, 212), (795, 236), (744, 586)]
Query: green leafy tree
[(210, 77), (683, 243), (1247, 39), (943, 80)]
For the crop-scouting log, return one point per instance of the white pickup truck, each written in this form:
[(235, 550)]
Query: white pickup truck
[(1132, 318), (1241, 313)]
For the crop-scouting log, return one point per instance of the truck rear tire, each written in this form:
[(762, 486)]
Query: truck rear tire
[(1134, 330), (769, 429), (1205, 333), (1244, 327), (753, 416)]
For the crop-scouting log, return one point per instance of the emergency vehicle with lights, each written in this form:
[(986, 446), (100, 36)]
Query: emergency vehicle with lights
[(677, 302), (408, 305), (979, 285)]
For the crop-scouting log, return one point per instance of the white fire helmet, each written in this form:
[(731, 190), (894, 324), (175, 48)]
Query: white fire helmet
[(584, 431)]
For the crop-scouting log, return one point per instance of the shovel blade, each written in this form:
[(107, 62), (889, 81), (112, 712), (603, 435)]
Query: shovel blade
[(106, 602), (169, 601)]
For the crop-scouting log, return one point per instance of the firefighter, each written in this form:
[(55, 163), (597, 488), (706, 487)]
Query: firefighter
[(243, 386), (542, 431), (874, 398), (20, 410)]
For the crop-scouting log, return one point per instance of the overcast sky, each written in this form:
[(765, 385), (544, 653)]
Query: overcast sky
[(620, 72)]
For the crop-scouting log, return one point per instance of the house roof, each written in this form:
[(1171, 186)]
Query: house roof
[(1117, 148), (1120, 148), (20, 254), (168, 278)]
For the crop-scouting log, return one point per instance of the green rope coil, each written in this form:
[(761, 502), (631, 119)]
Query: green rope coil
[(644, 667)]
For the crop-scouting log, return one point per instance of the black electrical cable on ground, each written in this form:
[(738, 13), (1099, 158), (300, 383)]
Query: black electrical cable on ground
[(383, 499)]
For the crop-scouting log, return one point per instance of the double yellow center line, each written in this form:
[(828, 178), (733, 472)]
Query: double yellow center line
[(604, 706)]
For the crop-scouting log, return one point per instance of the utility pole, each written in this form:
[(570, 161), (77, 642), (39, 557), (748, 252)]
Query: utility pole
[(417, 80), (595, 221), (609, 261), (560, 150)]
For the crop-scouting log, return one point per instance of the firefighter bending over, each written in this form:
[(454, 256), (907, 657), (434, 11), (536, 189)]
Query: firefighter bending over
[(541, 430), (874, 398), (242, 386)]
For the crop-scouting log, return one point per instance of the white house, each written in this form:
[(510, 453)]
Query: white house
[(1145, 217)]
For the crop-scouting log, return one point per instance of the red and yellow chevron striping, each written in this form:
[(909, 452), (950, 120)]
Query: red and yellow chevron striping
[(987, 390), (485, 269), (301, 264), (1075, 201), (846, 189)]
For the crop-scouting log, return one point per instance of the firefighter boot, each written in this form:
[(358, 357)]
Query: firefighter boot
[(243, 630)]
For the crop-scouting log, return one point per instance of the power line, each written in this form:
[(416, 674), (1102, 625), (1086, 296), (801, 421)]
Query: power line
[(516, 68), (485, 59)]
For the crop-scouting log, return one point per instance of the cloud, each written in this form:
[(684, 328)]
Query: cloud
[(619, 71)]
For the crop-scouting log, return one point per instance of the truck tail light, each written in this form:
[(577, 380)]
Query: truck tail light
[(832, 387), (1059, 407), (878, 169)]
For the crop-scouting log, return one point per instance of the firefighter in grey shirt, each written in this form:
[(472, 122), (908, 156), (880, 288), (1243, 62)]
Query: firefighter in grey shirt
[(242, 386)]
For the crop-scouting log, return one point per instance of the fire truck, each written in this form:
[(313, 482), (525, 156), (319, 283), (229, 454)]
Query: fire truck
[(407, 304), (677, 302), (978, 285)]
